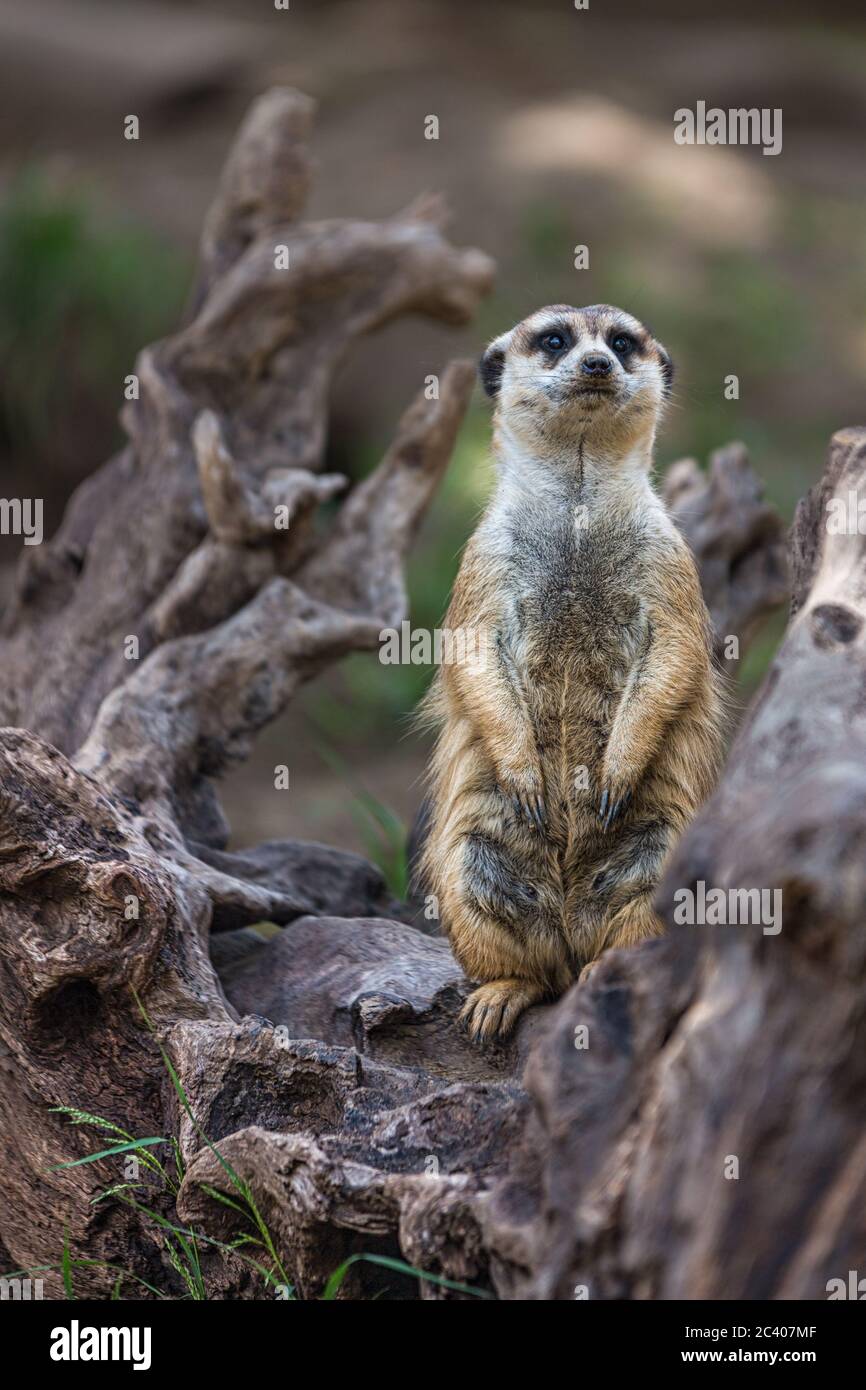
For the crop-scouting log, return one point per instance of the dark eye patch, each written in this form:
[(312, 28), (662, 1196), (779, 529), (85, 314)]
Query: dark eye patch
[(554, 341), (623, 343)]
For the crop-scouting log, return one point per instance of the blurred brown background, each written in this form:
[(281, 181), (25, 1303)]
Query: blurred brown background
[(556, 129)]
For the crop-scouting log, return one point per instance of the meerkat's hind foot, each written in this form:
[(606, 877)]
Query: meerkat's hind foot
[(633, 923), (492, 1010)]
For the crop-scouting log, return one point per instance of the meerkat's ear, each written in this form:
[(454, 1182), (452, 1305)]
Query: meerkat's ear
[(491, 364), (667, 368)]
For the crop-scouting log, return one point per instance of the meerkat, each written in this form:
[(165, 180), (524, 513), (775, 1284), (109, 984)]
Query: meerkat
[(572, 756)]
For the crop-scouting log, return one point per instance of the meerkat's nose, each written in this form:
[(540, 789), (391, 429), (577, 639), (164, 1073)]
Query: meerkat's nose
[(596, 364)]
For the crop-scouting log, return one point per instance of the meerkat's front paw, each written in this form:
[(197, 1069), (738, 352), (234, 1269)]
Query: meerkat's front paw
[(492, 1010), (525, 791)]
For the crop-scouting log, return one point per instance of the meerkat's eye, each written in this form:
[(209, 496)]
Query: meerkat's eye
[(622, 343), (553, 342)]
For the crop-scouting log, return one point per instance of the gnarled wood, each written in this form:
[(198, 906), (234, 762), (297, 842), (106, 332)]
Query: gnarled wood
[(325, 1062)]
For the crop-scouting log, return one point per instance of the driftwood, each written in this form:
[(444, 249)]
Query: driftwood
[(325, 1062)]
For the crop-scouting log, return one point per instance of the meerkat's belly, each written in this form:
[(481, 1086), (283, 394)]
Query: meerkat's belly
[(576, 631)]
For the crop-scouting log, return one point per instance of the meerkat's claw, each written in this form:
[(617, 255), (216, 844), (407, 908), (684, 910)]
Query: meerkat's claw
[(608, 809), (613, 811), (530, 809), (492, 1010), (476, 1016)]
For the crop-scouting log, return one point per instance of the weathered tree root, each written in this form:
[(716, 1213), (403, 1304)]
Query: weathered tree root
[(325, 1063), (708, 1142)]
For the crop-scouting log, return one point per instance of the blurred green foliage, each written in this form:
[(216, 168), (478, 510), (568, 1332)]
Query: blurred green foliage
[(383, 833), (79, 296)]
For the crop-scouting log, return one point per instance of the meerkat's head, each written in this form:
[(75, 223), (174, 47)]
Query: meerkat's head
[(567, 376)]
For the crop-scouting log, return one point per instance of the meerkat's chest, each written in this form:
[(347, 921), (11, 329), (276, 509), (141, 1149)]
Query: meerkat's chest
[(574, 601)]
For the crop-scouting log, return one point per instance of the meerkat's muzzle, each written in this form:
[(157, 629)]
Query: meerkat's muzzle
[(588, 388), (596, 376), (596, 366)]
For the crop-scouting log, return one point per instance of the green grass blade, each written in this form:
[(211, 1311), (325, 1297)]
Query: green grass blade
[(267, 1274), (400, 1267), (221, 1197), (115, 1190), (107, 1153), (184, 1272), (66, 1266), (83, 1117), (239, 1184)]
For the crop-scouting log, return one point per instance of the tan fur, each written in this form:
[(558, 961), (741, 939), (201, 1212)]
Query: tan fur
[(597, 669)]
